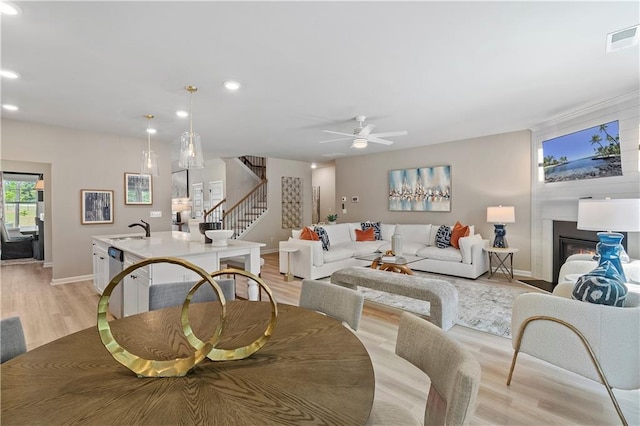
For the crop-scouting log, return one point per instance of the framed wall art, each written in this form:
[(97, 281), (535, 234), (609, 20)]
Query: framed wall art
[(425, 189), (96, 206), (138, 189), (180, 184)]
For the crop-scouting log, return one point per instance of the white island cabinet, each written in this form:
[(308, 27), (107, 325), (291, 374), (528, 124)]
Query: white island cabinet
[(135, 286)]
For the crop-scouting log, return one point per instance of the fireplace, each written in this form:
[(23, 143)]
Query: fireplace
[(568, 240)]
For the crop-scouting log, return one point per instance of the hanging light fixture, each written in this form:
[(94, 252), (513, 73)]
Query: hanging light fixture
[(149, 158), (40, 183), (190, 146)]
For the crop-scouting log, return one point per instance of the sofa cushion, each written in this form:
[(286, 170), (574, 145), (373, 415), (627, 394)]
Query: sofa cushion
[(368, 235), (308, 234), (336, 254), (411, 247), (448, 254), (458, 231), (465, 244), (443, 237), (387, 230), (339, 233), (360, 248), (324, 238), (417, 233), (372, 225)]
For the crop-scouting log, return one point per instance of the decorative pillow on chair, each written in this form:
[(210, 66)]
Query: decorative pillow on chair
[(603, 286), (443, 237), (308, 234), (368, 235), (457, 232), (376, 229), (324, 238)]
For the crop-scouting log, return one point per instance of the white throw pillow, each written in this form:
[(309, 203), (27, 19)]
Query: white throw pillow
[(387, 230), (295, 233), (465, 244)]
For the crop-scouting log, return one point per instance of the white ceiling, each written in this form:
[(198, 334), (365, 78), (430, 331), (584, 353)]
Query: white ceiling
[(442, 71)]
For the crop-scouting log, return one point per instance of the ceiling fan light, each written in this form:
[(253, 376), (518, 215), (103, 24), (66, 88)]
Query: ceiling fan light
[(359, 143)]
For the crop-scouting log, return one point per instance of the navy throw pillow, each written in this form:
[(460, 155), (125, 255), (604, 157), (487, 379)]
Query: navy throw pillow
[(603, 286), (324, 238), (443, 237), (376, 228)]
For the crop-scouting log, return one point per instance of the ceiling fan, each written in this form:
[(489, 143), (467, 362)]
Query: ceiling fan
[(362, 135)]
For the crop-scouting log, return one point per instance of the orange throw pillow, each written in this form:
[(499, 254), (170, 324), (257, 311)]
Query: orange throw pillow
[(308, 234), (368, 235), (457, 232)]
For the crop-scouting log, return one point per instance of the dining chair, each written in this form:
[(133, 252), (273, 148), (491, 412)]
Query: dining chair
[(453, 370), (174, 294), (341, 303), (12, 342)]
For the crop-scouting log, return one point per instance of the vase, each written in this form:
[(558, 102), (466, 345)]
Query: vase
[(396, 244), (332, 223), (609, 250)]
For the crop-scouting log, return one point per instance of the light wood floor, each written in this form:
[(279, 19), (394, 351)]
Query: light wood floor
[(540, 394)]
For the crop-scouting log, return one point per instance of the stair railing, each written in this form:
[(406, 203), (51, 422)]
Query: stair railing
[(246, 211)]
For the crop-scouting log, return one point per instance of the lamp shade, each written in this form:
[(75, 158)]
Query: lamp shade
[(501, 214), (40, 184), (622, 215)]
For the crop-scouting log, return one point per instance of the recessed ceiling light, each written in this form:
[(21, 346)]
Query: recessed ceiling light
[(182, 114), (10, 107), (7, 8), (231, 85), (151, 131), (314, 165), (9, 74)]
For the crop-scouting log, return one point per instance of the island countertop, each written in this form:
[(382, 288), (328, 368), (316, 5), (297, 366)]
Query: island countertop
[(170, 243)]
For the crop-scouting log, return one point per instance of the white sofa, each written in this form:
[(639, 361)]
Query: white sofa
[(312, 262)]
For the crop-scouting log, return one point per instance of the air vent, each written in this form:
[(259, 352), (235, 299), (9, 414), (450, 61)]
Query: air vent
[(622, 39)]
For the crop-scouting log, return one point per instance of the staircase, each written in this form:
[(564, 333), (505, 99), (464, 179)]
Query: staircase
[(245, 212), (258, 165)]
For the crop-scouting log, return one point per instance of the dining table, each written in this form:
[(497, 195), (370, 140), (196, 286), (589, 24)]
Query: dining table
[(312, 370)]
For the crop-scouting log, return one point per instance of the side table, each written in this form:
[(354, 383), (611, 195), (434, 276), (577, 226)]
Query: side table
[(288, 276), (502, 255)]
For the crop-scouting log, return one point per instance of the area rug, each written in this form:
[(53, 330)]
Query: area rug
[(481, 306)]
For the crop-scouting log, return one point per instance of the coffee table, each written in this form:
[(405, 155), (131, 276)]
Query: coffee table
[(399, 265)]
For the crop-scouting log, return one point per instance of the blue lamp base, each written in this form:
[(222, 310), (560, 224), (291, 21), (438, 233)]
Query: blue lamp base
[(500, 241), (610, 249)]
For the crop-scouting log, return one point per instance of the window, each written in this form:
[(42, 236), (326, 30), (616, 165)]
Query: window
[(20, 200)]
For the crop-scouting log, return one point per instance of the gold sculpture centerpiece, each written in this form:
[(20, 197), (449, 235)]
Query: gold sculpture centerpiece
[(181, 366)]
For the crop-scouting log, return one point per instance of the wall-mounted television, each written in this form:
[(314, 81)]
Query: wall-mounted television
[(587, 154)]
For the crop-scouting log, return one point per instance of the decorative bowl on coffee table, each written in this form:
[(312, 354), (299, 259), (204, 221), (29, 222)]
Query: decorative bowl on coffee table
[(219, 237)]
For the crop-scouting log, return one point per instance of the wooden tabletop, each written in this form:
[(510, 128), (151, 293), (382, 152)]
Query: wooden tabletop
[(313, 370)]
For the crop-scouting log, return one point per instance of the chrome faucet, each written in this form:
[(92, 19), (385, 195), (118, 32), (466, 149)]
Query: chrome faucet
[(146, 226)]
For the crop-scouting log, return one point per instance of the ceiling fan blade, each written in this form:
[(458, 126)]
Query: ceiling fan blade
[(336, 140), (338, 133), (377, 140), (366, 130), (385, 134)]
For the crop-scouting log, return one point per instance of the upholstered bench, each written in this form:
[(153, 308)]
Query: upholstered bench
[(441, 295)]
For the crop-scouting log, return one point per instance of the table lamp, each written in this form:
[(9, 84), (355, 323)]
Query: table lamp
[(621, 215), (500, 216), (179, 208)]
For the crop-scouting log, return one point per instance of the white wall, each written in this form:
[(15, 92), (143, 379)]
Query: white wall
[(85, 160), (325, 178), (559, 200)]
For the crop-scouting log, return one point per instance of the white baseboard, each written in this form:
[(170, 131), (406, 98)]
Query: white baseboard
[(47, 265), (269, 251), (68, 280), (522, 273)]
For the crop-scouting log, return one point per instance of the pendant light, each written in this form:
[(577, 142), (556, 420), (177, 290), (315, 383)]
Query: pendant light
[(190, 146), (149, 158)]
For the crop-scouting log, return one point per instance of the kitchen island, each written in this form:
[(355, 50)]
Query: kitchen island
[(135, 247)]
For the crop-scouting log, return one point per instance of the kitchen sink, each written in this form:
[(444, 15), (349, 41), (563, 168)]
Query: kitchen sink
[(136, 237)]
